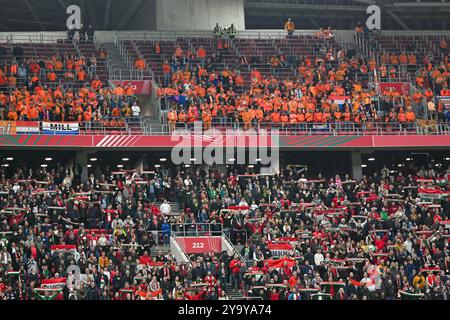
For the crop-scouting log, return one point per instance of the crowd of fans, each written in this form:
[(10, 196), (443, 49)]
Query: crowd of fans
[(331, 86), (43, 89), (384, 236)]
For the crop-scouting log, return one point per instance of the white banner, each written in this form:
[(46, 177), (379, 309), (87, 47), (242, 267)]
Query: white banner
[(60, 127)]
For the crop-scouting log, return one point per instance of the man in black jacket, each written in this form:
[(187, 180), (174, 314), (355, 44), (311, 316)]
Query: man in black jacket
[(92, 292)]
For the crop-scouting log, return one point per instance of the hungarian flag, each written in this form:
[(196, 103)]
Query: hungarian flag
[(321, 296), (46, 293), (238, 208), (410, 296), (279, 249), (63, 248), (442, 181), (53, 283), (428, 193), (286, 239), (332, 286), (158, 264), (279, 263)]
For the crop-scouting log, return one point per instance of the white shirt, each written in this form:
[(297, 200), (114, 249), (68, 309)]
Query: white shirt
[(136, 110), (165, 208), (318, 258)]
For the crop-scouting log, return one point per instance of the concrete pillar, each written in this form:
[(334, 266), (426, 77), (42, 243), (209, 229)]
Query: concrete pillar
[(356, 164), (81, 158)]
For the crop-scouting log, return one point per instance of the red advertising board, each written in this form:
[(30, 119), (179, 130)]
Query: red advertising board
[(140, 86), (200, 244), (286, 142)]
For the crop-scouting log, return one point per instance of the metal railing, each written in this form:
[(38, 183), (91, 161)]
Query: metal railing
[(199, 230), (146, 126)]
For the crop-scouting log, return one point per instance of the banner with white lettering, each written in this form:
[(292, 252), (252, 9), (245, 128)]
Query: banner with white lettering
[(60, 128)]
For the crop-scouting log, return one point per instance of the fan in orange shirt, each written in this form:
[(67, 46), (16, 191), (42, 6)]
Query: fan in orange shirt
[(96, 83), (172, 118), (139, 64)]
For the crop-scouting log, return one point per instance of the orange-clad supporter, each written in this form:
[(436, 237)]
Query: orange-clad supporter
[(172, 117), (81, 75), (166, 68), (115, 112), (129, 90), (326, 116), (410, 115), (207, 119), (192, 114), (429, 94), (275, 117), (12, 81), (182, 117), (337, 115), (12, 115), (139, 64), (96, 84), (403, 58), (157, 48), (201, 53), (87, 115), (317, 116), (289, 26), (445, 92), (420, 81), (393, 59), (284, 118), (401, 116), (392, 72), (119, 91), (418, 97), (255, 75), (246, 118), (372, 64), (51, 76), (412, 59), (443, 44), (385, 58)]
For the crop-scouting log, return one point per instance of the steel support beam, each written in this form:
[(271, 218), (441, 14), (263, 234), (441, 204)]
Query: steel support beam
[(397, 19), (35, 16), (107, 14)]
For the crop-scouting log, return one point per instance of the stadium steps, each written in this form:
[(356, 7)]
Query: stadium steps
[(232, 293), (174, 206), (117, 66), (159, 250)]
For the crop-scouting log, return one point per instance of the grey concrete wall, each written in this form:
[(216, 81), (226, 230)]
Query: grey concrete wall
[(199, 14)]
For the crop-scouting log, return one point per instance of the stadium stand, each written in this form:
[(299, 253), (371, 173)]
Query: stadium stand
[(81, 231), (294, 237)]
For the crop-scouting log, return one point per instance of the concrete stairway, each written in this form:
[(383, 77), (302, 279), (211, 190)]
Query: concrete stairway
[(173, 205), (232, 293), (118, 67)]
